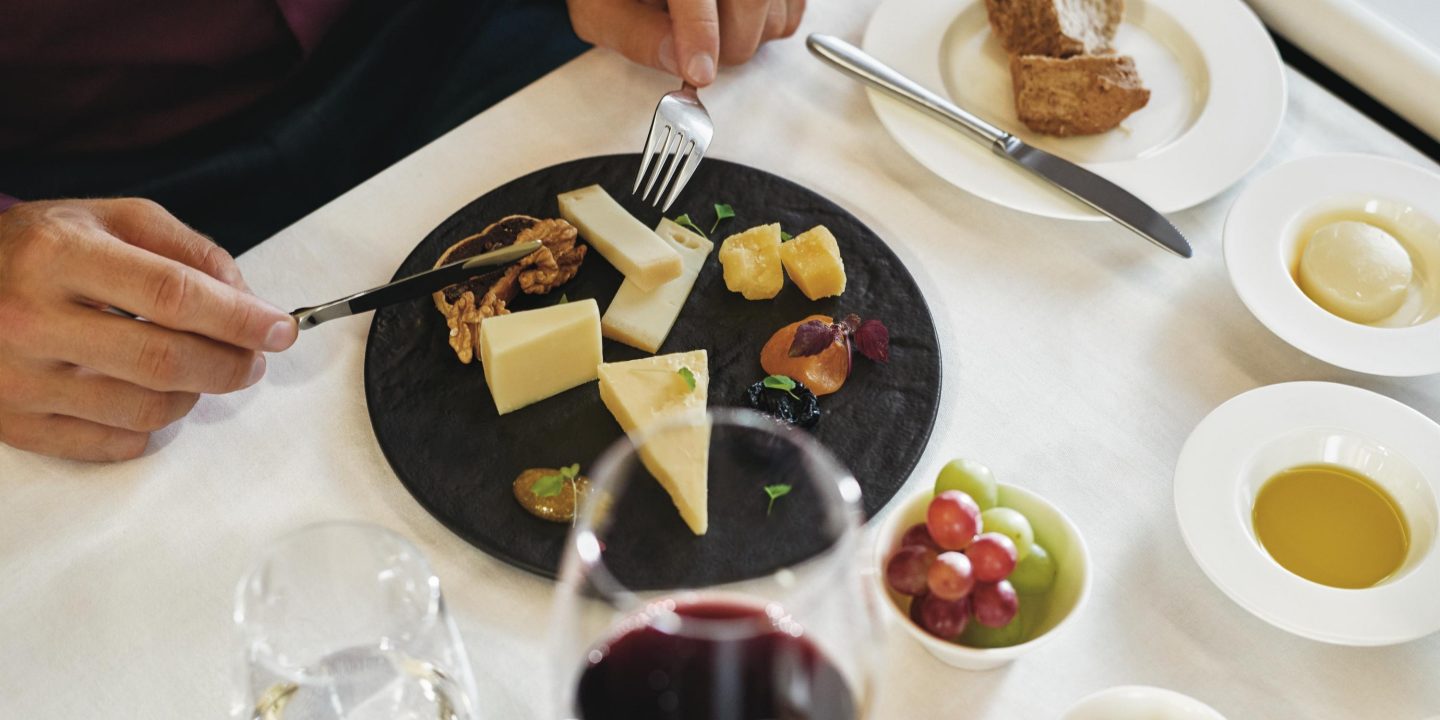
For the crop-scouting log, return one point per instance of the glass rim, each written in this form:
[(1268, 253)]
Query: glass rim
[(270, 550), (583, 552)]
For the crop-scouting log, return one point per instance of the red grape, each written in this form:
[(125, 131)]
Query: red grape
[(993, 555), (953, 518), (915, 606), (995, 604), (944, 619), (906, 570), (918, 534), (950, 577)]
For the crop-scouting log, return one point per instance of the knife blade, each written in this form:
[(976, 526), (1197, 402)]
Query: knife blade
[(1085, 186), (414, 286)]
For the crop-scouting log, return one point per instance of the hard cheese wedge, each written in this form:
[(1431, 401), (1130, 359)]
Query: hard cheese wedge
[(532, 355), (752, 262), (812, 259), (641, 393), (636, 251), (642, 319)]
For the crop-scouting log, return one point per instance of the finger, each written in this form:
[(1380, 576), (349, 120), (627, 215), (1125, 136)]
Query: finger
[(795, 12), (145, 224), (742, 22), (639, 32), (776, 18), (173, 295), (87, 395), (696, 26), (68, 437), (144, 353)]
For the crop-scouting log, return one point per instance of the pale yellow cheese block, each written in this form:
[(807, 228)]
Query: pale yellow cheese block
[(635, 250), (640, 394), (642, 319), (534, 354)]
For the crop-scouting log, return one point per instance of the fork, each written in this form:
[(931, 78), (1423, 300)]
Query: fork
[(680, 132)]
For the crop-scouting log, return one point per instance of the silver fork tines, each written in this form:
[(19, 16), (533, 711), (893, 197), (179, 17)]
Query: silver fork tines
[(679, 135)]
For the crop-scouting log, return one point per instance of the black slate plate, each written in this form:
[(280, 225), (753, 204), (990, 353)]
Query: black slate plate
[(439, 430)]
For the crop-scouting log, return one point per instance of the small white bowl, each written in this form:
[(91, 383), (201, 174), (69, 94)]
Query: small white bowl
[(1245, 441), (1053, 530), (1262, 239), (1140, 702)]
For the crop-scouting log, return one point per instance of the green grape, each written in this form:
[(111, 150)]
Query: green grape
[(1024, 627), (971, 478), (1009, 522), (1035, 574), (977, 635)]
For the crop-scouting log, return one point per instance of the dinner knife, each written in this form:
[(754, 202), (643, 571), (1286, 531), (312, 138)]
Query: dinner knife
[(414, 286), (1086, 186)]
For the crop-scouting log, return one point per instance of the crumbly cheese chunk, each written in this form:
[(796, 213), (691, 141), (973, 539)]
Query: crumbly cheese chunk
[(534, 354), (644, 393), (635, 250), (643, 319)]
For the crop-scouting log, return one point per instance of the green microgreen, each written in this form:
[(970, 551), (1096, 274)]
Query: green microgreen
[(781, 382), (689, 377), (722, 212), (551, 485), (775, 492), (685, 222)]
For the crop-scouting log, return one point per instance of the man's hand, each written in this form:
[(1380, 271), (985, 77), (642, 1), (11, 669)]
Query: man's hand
[(79, 382), (685, 37)]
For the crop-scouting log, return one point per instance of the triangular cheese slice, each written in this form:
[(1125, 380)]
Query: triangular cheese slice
[(640, 393)]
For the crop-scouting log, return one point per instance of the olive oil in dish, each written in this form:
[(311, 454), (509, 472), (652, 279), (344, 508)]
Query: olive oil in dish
[(1331, 525)]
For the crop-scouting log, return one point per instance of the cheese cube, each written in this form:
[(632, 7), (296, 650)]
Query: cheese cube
[(635, 250), (752, 262), (534, 354), (812, 259), (642, 319)]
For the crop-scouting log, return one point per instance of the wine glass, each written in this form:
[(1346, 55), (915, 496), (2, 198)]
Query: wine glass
[(345, 621), (762, 616)]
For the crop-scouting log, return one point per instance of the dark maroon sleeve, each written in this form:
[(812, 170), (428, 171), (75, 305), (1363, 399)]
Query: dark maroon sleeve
[(6, 201)]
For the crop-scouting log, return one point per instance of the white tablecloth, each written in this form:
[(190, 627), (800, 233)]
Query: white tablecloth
[(1077, 359)]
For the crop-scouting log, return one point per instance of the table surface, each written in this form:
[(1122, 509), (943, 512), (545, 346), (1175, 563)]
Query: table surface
[(1077, 360)]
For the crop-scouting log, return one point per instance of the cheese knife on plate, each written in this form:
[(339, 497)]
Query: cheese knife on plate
[(1086, 186)]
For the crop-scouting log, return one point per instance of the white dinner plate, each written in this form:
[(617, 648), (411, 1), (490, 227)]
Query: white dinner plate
[(1248, 439), (1140, 702), (1263, 241), (1217, 96)]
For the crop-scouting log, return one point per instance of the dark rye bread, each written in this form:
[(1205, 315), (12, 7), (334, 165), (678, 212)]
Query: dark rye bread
[(1080, 95), (1058, 28)]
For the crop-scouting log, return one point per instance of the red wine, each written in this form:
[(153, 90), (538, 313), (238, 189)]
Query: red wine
[(767, 674)]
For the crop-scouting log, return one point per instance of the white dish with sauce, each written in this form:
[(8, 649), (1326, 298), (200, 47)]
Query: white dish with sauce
[(1243, 443), (1266, 234)]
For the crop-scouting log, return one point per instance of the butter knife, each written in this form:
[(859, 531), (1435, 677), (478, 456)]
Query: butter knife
[(1089, 188), (414, 286)]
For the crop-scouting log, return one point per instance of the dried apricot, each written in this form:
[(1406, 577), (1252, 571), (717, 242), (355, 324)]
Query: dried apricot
[(823, 373)]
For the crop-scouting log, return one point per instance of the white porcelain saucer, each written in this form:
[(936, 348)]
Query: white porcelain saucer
[(1263, 241), (1217, 99), (1245, 441)]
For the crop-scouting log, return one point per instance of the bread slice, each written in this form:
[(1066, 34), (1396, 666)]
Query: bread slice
[(1058, 28), (1080, 95)]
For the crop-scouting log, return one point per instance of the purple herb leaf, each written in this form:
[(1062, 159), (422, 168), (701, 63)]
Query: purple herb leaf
[(850, 324), (811, 338), (873, 339)]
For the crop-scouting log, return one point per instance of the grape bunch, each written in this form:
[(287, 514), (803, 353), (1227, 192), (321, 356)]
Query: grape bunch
[(969, 560)]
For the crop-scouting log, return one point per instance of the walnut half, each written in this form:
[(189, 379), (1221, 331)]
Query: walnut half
[(465, 305)]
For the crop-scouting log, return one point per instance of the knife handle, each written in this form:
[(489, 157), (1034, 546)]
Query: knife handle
[(864, 66)]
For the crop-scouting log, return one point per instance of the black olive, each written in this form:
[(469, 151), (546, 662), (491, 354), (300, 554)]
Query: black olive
[(794, 407)]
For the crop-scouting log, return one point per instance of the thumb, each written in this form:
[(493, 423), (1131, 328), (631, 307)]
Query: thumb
[(696, 25)]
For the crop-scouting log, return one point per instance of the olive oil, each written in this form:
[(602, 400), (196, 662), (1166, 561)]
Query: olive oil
[(1331, 525)]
